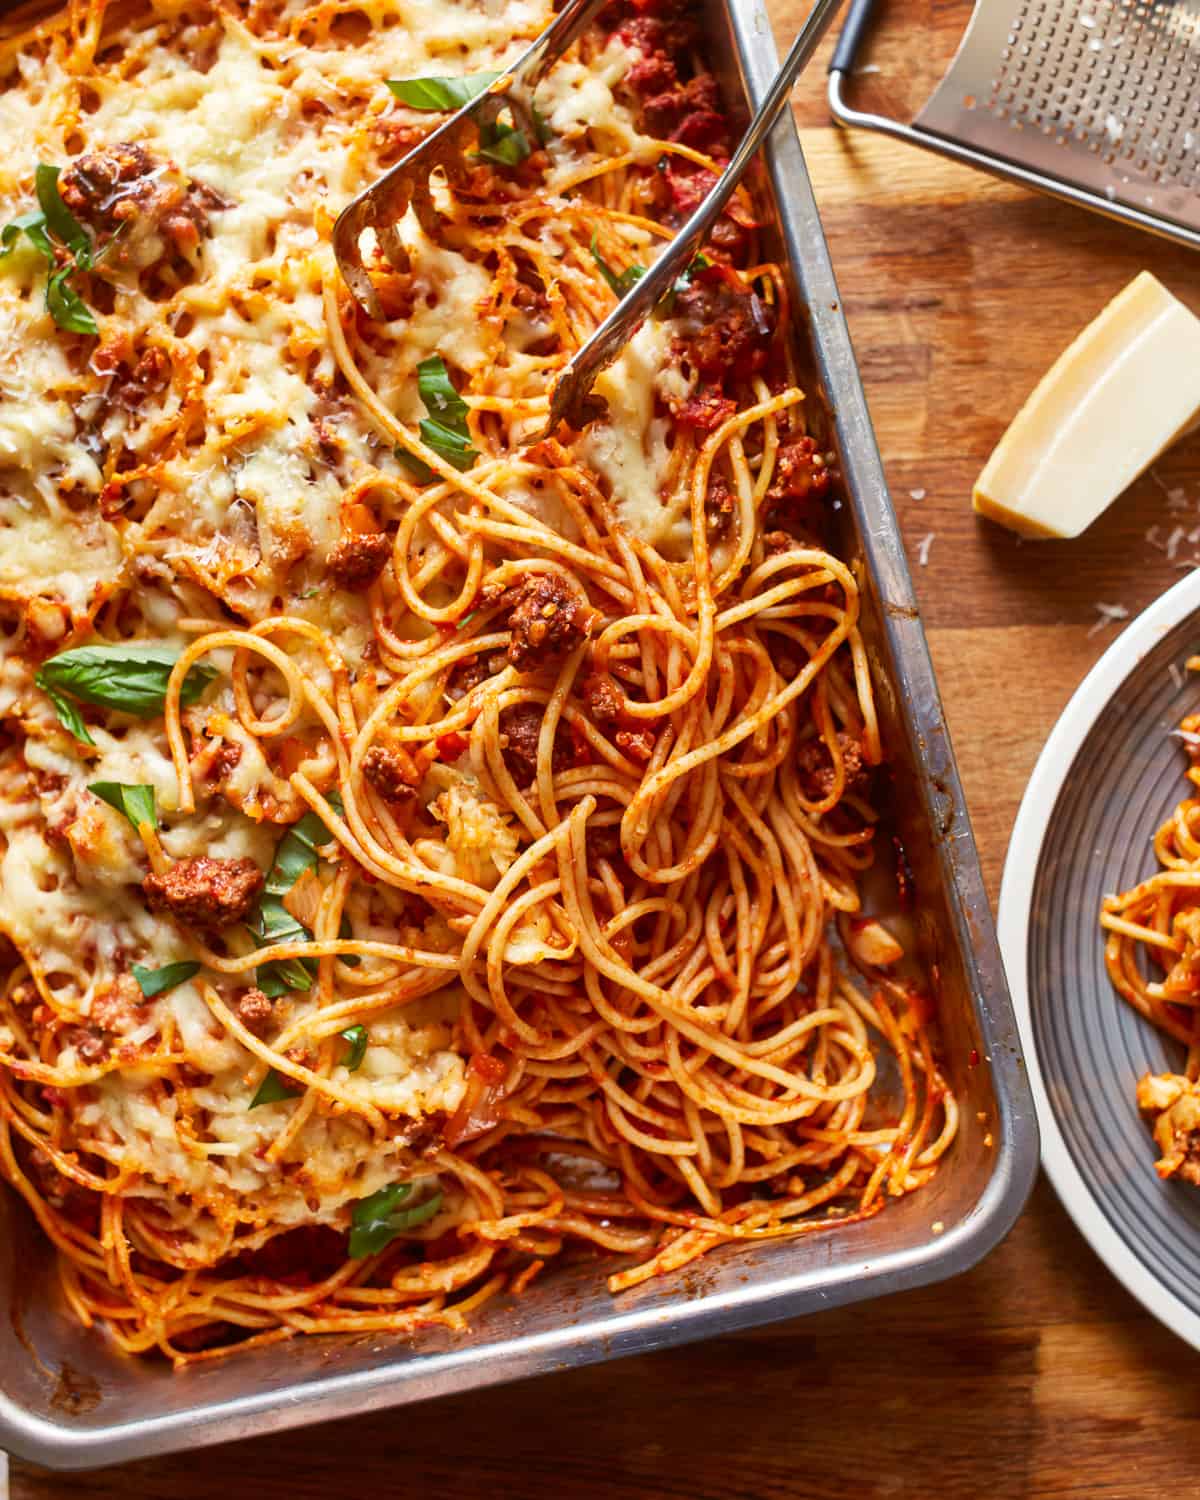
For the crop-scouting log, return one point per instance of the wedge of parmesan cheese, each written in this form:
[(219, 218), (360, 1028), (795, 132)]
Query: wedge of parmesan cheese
[(1122, 393)]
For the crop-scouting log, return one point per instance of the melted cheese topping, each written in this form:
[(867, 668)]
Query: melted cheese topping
[(631, 448), (228, 477)]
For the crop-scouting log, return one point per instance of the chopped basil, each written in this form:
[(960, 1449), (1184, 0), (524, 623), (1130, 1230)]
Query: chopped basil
[(130, 678), (136, 802), (502, 144), (272, 1090), (622, 281), (59, 219), (441, 400), (377, 1220), (33, 226), (272, 922), (296, 853), (417, 467), (284, 974), (357, 1037), (158, 981), (345, 931), (453, 446), (66, 306), (440, 93), (683, 281), (445, 430), (68, 715), (51, 223)]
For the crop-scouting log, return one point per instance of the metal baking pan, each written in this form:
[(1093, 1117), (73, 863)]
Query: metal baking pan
[(68, 1399)]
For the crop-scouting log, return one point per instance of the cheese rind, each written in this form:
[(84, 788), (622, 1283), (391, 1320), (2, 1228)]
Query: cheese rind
[(1124, 391)]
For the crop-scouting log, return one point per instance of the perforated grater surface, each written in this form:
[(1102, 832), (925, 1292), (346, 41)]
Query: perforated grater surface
[(1095, 101)]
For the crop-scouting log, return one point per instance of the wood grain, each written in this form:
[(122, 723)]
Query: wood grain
[(1034, 1374)]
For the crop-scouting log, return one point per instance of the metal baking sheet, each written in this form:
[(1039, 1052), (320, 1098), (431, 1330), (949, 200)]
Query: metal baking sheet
[(68, 1399)]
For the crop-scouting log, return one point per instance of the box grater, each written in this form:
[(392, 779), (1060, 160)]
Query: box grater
[(1094, 101)]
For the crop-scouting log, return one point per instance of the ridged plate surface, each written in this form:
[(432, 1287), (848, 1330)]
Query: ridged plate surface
[(1110, 774)]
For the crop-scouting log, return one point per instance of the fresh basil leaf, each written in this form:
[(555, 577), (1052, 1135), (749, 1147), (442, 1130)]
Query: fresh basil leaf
[(502, 144), (33, 226), (295, 853), (158, 981), (130, 678), (440, 93), (272, 1090), (437, 391), (420, 1213), (454, 447), (293, 857), (136, 802), (66, 306), (60, 221), (446, 429), (357, 1037), (12, 231), (283, 974), (69, 716), (370, 1238), (377, 1220), (619, 282), (683, 281), (379, 1205), (52, 221), (272, 924), (417, 467), (40, 240), (345, 932)]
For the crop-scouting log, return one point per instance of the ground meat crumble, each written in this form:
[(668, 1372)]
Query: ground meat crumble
[(205, 893), (546, 618)]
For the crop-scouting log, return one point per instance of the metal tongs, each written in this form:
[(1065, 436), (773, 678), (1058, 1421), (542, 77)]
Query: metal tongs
[(381, 206)]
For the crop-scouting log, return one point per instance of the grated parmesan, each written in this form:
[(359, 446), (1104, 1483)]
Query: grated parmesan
[(1109, 614)]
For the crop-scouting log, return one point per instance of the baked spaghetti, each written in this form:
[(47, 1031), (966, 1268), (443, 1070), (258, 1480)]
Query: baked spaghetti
[(425, 851)]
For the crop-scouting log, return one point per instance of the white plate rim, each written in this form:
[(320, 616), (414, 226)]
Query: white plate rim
[(1074, 724)]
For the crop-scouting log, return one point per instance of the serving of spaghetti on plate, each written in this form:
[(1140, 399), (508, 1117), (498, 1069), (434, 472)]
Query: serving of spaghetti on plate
[(424, 853), (1101, 837)]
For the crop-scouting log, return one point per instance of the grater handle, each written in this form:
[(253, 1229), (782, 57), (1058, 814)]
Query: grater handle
[(850, 39)]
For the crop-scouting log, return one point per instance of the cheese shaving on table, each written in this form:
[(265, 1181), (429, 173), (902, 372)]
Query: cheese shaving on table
[(1109, 615)]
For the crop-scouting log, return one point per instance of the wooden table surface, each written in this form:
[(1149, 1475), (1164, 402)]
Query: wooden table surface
[(1034, 1374)]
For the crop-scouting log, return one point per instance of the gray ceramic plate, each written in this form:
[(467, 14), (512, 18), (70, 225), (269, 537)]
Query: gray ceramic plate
[(1108, 776)]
